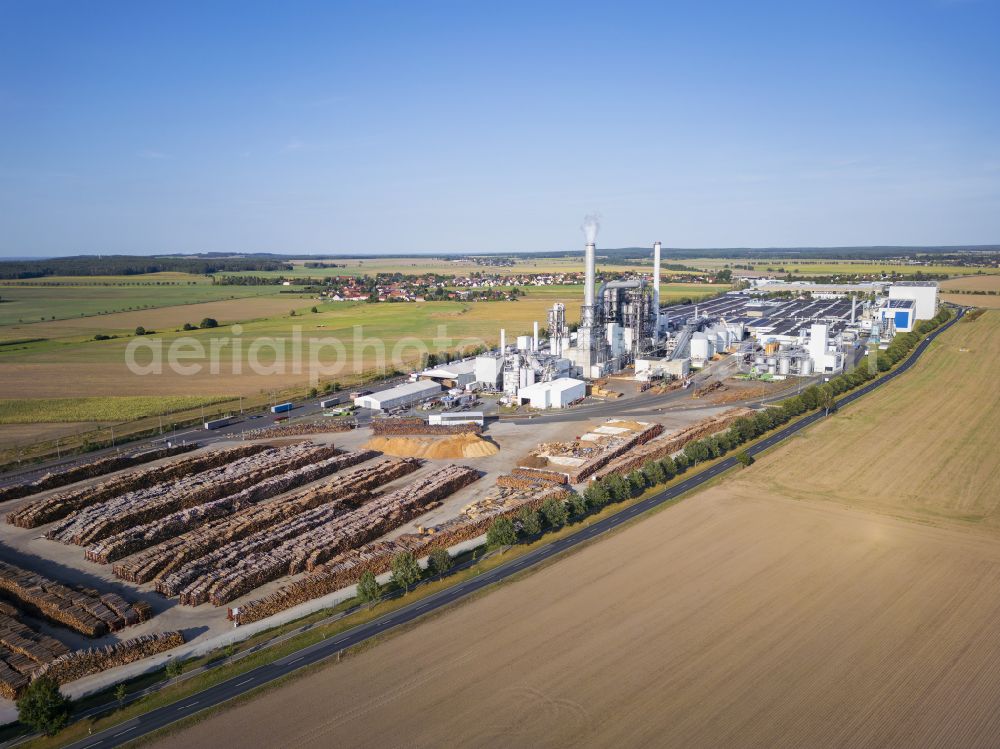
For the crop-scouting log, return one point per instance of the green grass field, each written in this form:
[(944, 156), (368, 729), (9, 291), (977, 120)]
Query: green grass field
[(65, 298), (109, 409)]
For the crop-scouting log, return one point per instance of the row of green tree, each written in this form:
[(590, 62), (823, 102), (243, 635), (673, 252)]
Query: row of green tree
[(129, 265)]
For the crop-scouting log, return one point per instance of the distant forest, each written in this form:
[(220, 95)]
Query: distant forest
[(132, 265)]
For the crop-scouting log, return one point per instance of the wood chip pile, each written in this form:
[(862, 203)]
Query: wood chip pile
[(90, 469), (351, 489), (671, 443), (22, 652), (382, 427), (81, 663), (61, 504), (85, 611), (330, 426), (97, 522), (312, 538), (346, 568)]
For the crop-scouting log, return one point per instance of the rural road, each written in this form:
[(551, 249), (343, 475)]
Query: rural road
[(238, 685)]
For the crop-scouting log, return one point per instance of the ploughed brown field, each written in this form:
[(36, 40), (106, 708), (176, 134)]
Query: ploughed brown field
[(756, 613), (973, 283)]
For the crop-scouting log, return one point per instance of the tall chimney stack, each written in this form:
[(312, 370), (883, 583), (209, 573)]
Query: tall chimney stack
[(854, 301), (503, 341), (656, 281), (534, 340), (589, 280)]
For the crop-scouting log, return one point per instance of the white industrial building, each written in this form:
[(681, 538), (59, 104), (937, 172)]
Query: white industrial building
[(452, 418), (400, 396), (923, 293), (557, 393), (824, 353), (454, 375)]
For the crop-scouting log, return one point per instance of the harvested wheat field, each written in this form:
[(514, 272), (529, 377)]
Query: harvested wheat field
[(973, 283), (737, 620), (435, 448), (924, 447)]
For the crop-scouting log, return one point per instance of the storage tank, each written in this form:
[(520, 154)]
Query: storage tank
[(805, 367), (784, 365), (772, 369), (759, 360)]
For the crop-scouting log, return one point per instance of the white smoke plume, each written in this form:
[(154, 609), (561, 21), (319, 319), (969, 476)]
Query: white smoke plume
[(591, 225)]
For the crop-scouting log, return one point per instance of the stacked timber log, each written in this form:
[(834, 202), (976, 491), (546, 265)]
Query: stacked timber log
[(22, 652), (615, 446), (397, 427), (346, 568), (671, 443), (97, 522), (330, 426), (537, 474), (310, 539), (84, 611), (351, 489), (81, 663), (143, 536), (60, 505), (90, 469)]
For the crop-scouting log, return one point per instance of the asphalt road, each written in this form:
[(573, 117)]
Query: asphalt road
[(318, 652)]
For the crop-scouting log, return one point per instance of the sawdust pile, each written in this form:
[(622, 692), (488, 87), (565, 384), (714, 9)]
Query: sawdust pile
[(459, 446)]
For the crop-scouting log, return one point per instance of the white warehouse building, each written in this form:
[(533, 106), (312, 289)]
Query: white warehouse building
[(557, 393), (402, 395), (923, 293)]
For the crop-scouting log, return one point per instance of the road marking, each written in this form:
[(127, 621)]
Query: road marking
[(124, 732), (295, 661), (190, 704), (246, 681)]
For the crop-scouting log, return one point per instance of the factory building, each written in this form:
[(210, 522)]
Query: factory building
[(400, 396), (455, 375), (923, 293), (557, 393), (898, 315)]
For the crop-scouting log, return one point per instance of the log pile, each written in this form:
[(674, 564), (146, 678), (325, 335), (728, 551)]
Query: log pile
[(612, 449), (22, 652), (81, 663), (537, 474), (143, 536), (311, 539), (85, 611), (58, 506), (671, 443), (330, 426), (346, 568), (90, 469), (351, 489), (396, 427), (97, 522)]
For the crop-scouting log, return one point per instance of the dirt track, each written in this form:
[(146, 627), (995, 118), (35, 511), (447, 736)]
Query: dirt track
[(737, 621)]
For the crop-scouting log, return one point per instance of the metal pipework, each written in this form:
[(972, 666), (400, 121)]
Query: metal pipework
[(656, 282)]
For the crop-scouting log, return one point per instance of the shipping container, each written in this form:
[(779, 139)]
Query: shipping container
[(219, 423), (281, 408), (330, 402)]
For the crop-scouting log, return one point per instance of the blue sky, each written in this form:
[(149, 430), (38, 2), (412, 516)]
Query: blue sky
[(473, 126)]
